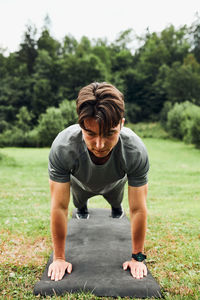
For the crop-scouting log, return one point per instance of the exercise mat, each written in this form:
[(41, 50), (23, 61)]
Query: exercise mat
[(97, 248)]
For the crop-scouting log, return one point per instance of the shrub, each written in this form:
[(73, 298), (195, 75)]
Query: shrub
[(50, 124), (177, 118), (68, 112), (183, 122), (194, 130), (4, 125), (13, 137), (55, 120), (149, 130)]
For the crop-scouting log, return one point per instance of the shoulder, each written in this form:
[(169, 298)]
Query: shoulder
[(69, 135), (68, 143), (131, 141)]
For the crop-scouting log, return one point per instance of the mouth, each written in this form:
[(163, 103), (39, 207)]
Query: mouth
[(100, 151)]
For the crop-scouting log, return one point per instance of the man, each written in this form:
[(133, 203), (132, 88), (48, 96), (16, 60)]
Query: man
[(97, 157)]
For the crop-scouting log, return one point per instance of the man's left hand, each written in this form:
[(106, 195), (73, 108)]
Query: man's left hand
[(138, 269)]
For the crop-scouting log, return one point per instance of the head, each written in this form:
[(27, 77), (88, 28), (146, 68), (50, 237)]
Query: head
[(100, 108)]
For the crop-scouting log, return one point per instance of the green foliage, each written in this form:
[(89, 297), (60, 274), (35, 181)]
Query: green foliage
[(24, 119), (13, 137), (164, 113), (183, 122), (55, 120), (44, 72), (149, 130), (50, 124), (133, 112), (183, 83), (194, 130), (68, 112)]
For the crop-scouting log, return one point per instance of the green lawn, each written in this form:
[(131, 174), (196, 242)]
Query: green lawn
[(173, 236)]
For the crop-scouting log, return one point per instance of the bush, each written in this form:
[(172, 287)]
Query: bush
[(4, 125), (183, 122), (68, 112), (194, 130), (50, 124), (177, 119), (55, 120), (149, 130), (13, 137)]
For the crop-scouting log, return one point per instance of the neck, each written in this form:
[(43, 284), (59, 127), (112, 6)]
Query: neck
[(99, 160)]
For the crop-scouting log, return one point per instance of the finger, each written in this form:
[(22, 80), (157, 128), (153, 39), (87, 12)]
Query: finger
[(133, 272), (53, 275), (57, 276), (140, 274), (60, 275), (69, 268), (125, 265), (145, 271), (49, 271), (137, 273)]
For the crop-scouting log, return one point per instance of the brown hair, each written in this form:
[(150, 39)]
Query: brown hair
[(103, 102)]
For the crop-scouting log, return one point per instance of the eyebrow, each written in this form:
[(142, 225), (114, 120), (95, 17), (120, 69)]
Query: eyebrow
[(110, 131)]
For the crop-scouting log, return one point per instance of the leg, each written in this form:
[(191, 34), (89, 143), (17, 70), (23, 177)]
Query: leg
[(115, 196), (80, 196)]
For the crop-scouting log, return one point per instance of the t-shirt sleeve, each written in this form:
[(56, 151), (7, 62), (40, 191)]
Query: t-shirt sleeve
[(138, 171), (58, 168)]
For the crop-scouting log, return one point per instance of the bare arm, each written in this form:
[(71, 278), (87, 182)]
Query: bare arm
[(138, 217), (60, 196)]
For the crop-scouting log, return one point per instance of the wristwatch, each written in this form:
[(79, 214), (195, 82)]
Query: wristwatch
[(139, 256)]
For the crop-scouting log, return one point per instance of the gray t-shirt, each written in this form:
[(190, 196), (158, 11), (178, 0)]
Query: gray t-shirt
[(69, 157)]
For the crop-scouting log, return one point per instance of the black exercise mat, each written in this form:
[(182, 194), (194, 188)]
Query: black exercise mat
[(97, 248)]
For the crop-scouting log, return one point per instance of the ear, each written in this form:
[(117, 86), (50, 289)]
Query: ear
[(123, 120)]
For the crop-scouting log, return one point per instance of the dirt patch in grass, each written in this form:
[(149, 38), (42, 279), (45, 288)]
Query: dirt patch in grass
[(22, 250)]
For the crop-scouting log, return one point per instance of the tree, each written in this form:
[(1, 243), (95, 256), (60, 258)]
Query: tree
[(24, 118), (46, 42), (195, 37), (183, 83), (28, 52), (69, 45)]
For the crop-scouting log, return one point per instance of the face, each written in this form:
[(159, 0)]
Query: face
[(100, 145)]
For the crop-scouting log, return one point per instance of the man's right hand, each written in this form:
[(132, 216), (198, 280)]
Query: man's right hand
[(57, 269)]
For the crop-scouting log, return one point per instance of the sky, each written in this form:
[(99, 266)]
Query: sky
[(91, 18)]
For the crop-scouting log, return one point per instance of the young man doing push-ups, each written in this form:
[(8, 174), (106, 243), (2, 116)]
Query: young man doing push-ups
[(98, 156)]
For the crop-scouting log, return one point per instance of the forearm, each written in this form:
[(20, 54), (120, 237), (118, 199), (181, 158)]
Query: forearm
[(59, 231), (138, 229), (138, 216)]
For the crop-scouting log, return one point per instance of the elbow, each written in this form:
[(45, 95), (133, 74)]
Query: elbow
[(139, 211), (57, 210)]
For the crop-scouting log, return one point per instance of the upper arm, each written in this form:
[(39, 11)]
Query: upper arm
[(60, 194), (137, 197)]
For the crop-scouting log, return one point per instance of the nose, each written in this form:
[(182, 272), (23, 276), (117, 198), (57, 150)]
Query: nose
[(99, 143)]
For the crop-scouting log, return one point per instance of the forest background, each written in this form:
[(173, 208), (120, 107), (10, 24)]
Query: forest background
[(160, 81)]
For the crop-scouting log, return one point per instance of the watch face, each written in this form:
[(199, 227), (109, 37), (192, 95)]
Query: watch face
[(139, 257)]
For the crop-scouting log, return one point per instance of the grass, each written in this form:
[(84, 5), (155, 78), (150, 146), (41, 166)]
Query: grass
[(172, 242)]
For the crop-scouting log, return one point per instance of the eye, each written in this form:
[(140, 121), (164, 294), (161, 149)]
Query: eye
[(91, 134), (109, 134)]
